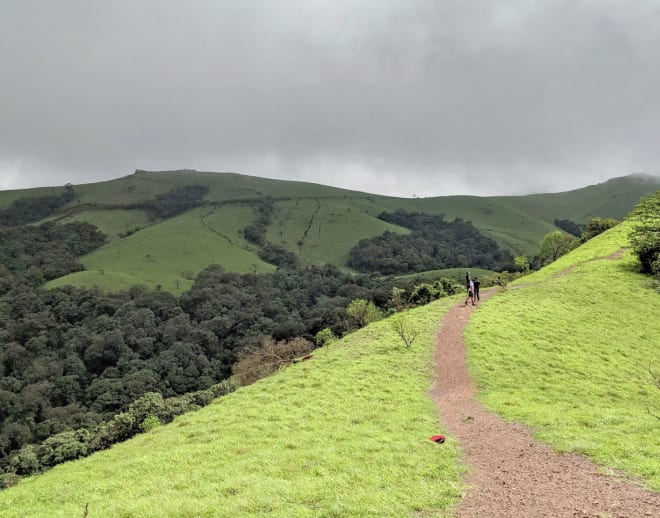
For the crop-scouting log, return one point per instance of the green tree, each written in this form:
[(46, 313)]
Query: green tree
[(555, 244), (522, 263), (361, 312), (25, 461), (645, 236)]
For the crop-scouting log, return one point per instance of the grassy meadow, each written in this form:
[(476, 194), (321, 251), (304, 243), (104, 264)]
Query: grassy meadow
[(567, 350), (323, 230), (345, 433), (113, 223), (170, 253)]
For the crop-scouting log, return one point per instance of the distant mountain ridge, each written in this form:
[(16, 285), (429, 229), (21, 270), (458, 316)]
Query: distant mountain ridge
[(316, 223)]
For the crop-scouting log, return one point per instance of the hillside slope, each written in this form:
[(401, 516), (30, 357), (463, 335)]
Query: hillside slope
[(319, 224), (343, 434), (570, 351), (346, 433)]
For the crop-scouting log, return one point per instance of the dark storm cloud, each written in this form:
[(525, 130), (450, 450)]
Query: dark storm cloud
[(394, 97)]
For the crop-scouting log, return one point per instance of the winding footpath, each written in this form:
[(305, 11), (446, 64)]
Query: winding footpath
[(509, 473)]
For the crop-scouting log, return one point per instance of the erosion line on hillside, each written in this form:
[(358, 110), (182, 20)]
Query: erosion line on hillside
[(311, 219), (208, 226)]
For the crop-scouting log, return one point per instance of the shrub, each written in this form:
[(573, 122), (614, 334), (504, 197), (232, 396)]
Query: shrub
[(324, 337), (424, 293), (645, 236), (25, 461), (597, 226), (449, 286), (63, 446), (121, 427), (148, 405), (406, 330), (361, 312), (8, 480), (150, 423)]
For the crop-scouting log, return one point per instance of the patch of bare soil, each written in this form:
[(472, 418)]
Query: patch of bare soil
[(509, 473)]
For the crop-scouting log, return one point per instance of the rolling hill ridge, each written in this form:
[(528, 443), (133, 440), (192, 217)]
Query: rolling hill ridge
[(315, 223)]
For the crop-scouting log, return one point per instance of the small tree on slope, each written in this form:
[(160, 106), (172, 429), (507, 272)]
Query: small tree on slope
[(645, 236)]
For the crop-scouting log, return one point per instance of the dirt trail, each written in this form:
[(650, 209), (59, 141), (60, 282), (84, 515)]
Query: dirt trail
[(509, 473)]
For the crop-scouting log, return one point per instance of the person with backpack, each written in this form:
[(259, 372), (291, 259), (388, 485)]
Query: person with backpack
[(476, 283)]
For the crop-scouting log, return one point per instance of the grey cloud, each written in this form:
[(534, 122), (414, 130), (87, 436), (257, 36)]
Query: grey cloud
[(387, 97)]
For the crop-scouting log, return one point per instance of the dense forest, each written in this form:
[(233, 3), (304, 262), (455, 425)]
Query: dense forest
[(78, 365), (433, 244), (29, 210)]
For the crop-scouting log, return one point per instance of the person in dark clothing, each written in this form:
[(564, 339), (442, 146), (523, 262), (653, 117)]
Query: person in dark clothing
[(476, 283), (470, 294)]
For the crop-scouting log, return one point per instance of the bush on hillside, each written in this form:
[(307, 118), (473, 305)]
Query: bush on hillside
[(425, 293), (324, 337), (361, 312), (596, 226), (645, 236)]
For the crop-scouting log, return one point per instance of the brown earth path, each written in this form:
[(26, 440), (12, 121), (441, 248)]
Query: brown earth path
[(509, 473)]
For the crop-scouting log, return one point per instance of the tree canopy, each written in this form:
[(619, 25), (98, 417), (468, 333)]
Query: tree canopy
[(73, 361), (433, 244), (645, 236)]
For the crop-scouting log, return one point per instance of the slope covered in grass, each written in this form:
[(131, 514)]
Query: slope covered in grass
[(323, 230), (343, 434), (172, 252), (113, 223), (317, 223), (568, 351)]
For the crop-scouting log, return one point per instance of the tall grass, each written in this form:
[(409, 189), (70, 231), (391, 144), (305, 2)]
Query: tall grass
[(343, 434), (569, 352)]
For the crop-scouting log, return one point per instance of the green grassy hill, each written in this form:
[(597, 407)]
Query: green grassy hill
[(565, 350), (343, 434), (569, 350), (319, 224)]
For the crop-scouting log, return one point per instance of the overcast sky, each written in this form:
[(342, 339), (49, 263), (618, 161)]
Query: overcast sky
[(391, 97)]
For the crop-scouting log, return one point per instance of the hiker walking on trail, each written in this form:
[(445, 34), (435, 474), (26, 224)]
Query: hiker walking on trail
[(470, 295), (476, 283)]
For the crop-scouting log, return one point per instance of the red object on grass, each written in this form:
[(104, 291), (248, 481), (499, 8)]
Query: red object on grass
[(437, 438)]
